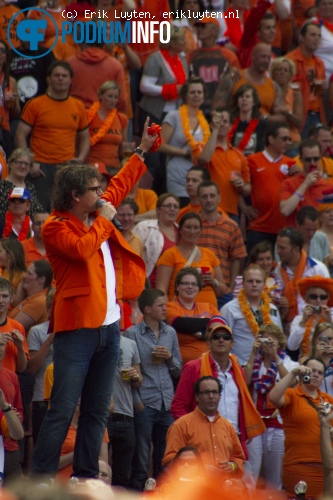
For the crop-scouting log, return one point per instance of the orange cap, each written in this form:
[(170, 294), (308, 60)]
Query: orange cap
[(101, 168), (208, 19)]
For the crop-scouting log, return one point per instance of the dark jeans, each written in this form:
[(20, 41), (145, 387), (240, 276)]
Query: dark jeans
[(13, 469), (311, 121), (44, 185), (150, 426), (85, 362), (254, 237), (122, 441), (38, 412)]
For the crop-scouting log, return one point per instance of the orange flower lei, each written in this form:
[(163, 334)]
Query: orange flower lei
[(248, 314), (8, 229), (183, 111), (103, 130), (305, 345)]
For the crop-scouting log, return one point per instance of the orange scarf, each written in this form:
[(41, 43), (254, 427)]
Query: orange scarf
[(253, 422), (290, 290)]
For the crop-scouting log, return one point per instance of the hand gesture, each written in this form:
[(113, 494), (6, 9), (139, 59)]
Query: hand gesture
[(35, 171), (108, 211), (312, 178), (257, 344), (326, 314), (147, 141), (301, 370), (238, 183), (251, 213), (162, 352), (216, 120), (307, 312), (18, 339)]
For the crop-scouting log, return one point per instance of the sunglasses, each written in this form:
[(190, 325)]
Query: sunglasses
[(20, 200), (218, 336), (314, 296), (314, 159)]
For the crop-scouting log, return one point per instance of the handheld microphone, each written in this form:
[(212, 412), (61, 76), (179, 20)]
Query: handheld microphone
[(114, 221)]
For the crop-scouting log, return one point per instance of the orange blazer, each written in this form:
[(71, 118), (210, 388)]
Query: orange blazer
[(77, 261)]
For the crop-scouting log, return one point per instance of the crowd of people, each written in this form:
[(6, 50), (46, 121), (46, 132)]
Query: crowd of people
[(166, 248)]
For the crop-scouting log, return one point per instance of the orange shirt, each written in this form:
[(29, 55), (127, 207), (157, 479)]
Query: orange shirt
[(313, 104), (266, 179), (190, 347), (266, 92), (16, 280), (301, 426), (34, 306), (10, 357), (189, 208), (31, 253), (146, 200), (220, 167), (6, 13), (50, 31), (107, 149), (63, 51), (54, 127), (310, 197), (173, 258)]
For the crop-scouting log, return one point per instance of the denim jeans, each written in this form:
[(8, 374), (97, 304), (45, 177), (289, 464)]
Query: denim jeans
[(150, 426), (122, 442), (85, 362)]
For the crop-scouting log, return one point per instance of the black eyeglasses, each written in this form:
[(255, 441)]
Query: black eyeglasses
[(20, 200), (314, 296), (188, 283), (95, 188), (308, 159), (218, 336), (215, 392), (170, 205)]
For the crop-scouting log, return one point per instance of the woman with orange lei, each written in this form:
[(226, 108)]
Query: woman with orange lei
[(108, 128), (318, 295), (182, 131)]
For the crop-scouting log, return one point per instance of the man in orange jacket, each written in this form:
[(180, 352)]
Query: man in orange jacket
[(93, 267)]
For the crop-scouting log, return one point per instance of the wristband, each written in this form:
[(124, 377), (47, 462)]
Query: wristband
[(279, 362), (299, 195)]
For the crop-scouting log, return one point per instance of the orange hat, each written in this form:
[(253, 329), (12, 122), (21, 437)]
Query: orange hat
[(101, 168), (316, 282), (208, 19)]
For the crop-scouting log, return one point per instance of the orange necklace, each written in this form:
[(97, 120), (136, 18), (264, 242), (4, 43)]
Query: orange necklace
[(248, 314), (103, 130), (183, 111)]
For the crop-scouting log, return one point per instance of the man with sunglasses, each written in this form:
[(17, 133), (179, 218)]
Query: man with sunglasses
[(207, 431), (306, 187), (235, 403)]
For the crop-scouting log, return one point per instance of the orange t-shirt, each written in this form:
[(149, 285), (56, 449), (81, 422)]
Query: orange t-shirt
[(10, 357), (266, 181), (55, 124), (311, 72), (310, 197), (220, 167), (190, 347), (301, 426), (107, 149), (146, 200), (31, 253), (63, 51), (34, 306), (173, 258), (6, 13), (50, 32), (189, 208), (266, 92)]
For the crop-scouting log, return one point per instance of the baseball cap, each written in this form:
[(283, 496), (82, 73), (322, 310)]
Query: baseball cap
[(208, 19), (220, 327), (19, 192)]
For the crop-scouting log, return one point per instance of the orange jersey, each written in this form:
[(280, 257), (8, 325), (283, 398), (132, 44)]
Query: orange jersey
[(173, 258), (266, 180), (146, 200), (55, 124), (189, 208), (6, 14), (266, 92), (190, 347), (31, 253), (10, 357), (50, 32), (107, 149)]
